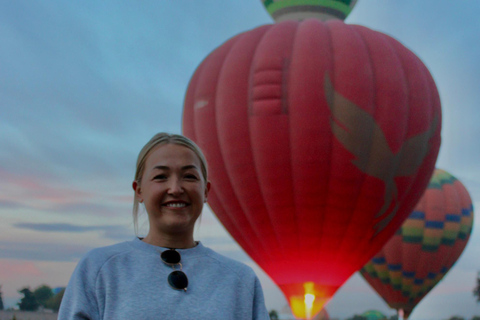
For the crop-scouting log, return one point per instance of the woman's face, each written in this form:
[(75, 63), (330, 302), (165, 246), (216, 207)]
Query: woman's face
[(172, 189)]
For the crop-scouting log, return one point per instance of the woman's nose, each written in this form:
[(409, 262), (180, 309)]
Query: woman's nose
[(175, 187)]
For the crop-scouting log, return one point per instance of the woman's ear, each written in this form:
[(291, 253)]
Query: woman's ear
[(207, 189), (137, 189)]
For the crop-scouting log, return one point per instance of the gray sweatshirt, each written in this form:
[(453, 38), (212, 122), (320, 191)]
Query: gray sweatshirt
[(128, 281)]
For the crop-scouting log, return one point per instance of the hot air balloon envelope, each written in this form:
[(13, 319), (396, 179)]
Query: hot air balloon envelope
[(321, 138), (429, 242)]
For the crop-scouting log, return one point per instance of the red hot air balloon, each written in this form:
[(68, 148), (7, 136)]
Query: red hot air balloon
[(321, 138), (427, 245)]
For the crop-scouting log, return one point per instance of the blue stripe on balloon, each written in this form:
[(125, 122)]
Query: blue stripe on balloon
[(417, 215), (466, 212), (434, 224), (418, 281), (394, 267), (379, 260), (408, 274), (431, 275), (453, 218)]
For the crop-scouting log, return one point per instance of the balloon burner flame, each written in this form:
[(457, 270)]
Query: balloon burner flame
[(309, 299)]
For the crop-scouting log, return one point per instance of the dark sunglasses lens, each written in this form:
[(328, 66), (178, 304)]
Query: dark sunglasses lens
[(170, 256), (178, 280)]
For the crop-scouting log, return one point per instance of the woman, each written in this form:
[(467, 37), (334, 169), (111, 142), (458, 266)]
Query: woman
[(166, 275)]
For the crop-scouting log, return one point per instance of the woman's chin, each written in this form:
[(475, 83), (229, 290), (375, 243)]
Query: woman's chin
[(178, 225)]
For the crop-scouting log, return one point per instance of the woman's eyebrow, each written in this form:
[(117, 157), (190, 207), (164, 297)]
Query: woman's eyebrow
[(161, 168), (191, 166)]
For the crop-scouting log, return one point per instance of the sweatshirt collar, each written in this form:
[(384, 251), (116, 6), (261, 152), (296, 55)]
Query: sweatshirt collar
[(138, 244)]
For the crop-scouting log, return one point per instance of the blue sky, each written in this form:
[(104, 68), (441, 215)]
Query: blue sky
[(84, 84)]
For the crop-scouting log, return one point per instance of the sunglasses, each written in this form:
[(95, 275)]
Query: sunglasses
[(177, 279)]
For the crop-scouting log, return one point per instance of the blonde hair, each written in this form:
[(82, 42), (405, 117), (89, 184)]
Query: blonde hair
[(159, 139)]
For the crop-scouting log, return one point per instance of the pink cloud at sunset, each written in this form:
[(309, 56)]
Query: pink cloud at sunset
[(18, 269), (42, 194), (18, 188), (34, 193)]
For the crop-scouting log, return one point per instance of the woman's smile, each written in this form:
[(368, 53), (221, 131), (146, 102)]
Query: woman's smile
[(175, 204)]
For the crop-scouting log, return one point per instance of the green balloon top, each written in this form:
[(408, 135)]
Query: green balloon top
[(439, 178), (299, 10)]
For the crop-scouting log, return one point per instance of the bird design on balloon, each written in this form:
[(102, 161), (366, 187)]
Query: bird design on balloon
[(355, 128)]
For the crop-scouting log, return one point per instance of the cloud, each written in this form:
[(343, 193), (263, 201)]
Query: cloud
[(14, 269), (85, 208), (55, 227), (25, 191), (41, 251), (22, 187), (8, 204), (114, 232)]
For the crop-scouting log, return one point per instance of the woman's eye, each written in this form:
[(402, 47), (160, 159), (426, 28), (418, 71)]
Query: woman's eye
[(160, 177), (191, 177)]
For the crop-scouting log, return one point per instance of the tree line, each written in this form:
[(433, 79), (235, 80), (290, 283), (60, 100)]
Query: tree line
[(41, 297)]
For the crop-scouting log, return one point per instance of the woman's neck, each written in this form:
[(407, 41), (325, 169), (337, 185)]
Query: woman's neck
[(170, 241)]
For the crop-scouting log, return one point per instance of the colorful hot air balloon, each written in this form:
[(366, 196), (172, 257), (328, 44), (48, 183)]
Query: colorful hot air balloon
[(426, 246), (299, 10), (321, 138)]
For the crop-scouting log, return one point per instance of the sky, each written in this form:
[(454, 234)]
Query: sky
[(85, 84)]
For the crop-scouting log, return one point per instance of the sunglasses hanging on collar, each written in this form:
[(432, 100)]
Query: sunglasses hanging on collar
[(177, 279)]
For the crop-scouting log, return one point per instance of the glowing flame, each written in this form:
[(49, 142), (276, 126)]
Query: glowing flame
[(309, 299)]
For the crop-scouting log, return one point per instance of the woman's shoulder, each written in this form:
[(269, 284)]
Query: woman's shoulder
[(236, 266), (233, 272), (97, 257), (91, 264)]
